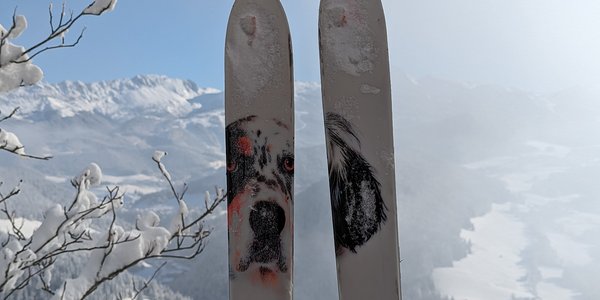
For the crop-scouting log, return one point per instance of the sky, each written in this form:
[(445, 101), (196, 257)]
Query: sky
[(535, 45)]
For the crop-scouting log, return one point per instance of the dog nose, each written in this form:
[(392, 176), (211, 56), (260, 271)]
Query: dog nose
[(267, 218)]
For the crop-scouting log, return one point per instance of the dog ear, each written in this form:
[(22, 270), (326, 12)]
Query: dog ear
[(237, 152), (357, 207)]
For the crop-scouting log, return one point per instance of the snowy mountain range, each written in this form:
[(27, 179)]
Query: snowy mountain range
[(119, 99), (457, 147)]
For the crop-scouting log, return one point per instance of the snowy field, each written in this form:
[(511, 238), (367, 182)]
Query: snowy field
[(499, 240)]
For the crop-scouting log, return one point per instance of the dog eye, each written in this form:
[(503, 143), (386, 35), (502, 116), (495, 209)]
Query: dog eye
[(288, 164), (231, 166)]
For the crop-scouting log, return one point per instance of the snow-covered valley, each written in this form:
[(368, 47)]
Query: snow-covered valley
[(502, 242)]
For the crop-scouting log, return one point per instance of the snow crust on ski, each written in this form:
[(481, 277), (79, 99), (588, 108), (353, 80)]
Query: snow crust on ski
[(259, 114), (357, 105)]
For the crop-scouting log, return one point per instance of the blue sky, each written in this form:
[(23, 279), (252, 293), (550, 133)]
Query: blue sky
[(178, 38), (538, 45)]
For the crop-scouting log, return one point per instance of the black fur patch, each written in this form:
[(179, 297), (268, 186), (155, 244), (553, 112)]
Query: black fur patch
[(357, 207)]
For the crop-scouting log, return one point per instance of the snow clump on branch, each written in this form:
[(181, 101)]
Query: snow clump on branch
[(100, 6), (10, 142), (15, 68)]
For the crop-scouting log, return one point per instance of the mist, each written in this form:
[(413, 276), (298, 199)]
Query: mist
[(539, 46)]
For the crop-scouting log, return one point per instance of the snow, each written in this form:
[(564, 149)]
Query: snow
[(64, 110), (158, 155), (100, 6), (523, 182), (578, 223), (492, 270), (12, 75), (56, 179), (347, 40), (129, 246), (533, 200), (20, 26), (489, 163), (134, 185), (553, 292), (12, 259), (11, 142), (256, 50), (568, 250), (90, 176), (10, 52), (205, 119), (53, 218), (551, 273), (28, 226), (113, 250), (177, 221), (128, 178), (154, 235), (550, 149), (123, 99), (139, 190), (369, 89)]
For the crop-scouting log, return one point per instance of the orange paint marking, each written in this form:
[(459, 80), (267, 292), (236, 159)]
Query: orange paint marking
[(269, 277), (266, 277), (236, 259), (234, 208), (245, 146), (342, 22)]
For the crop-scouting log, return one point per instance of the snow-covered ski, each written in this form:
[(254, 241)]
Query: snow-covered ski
[(357, 105), (259, 113)]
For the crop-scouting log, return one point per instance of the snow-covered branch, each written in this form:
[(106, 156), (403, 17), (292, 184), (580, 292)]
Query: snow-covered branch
[(11, 143), (10, 115), (13, 192), (138, 290), (76, 228), (16, 68)]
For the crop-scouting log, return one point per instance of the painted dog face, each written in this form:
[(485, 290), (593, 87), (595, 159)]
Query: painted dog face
[(357, 207), (260, 174)]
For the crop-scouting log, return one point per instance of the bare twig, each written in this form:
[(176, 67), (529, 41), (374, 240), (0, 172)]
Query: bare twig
[(4, 36), (167, 176), (147, 283), (11, 216), (66, 237), (14, 111), (56, 31), (109, 241), (196, 244), (15, 150), (13, 192), (62, 45)]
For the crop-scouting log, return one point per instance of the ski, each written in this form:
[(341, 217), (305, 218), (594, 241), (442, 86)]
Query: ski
[(259, 118), (357, 107)]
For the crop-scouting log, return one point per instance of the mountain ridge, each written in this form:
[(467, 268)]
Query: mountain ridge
[(118, 99)]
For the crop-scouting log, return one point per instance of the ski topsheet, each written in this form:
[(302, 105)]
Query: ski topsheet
[(259, 113), (358, 122)]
